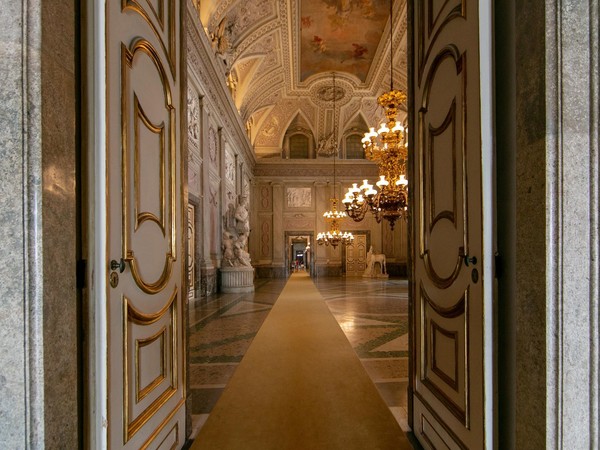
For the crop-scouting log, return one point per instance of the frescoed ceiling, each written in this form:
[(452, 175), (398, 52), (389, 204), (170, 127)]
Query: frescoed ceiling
[(340, 35), (279, 56)]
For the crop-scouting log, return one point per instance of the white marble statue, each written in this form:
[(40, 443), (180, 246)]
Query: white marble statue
[(235, 236), (372, 259)]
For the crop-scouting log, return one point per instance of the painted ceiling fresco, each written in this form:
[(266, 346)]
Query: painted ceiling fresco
[(278, 57), (340, 35)]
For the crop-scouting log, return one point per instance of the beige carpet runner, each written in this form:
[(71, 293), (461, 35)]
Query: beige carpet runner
[(300, 386)]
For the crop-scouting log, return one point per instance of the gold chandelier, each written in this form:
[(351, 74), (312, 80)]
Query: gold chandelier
[(334, 236), (387, 147)]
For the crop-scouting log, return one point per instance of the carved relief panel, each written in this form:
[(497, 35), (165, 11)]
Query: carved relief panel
[(213, 147), (193, 105), (193, 136), (298, 221), (215, 219), (299, 197)]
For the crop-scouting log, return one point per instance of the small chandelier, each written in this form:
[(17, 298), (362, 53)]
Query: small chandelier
[(388, 148), (334, 236)]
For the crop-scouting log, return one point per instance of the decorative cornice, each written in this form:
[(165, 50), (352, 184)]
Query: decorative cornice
[(315, 169)]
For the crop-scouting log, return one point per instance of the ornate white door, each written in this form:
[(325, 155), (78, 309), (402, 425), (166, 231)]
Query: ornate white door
[(356, 254), (452, 215), (145, 254)]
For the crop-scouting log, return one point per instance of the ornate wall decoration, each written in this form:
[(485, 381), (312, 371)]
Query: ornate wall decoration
[(264, 92), (212, 145), (193, 118), (298, 222), (349, 111), (264, 44), (194, 159), (265, 238), (207, 72), (213, 200), (362, 170), (230, 167), (250, 15), (265, 198), (247, 45), (271, 128), (298, 197), (245, 185), (212, 197)]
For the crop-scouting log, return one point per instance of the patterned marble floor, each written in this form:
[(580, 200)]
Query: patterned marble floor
[(372, 313), (374, 317)]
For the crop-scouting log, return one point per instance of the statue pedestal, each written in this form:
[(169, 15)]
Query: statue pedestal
[(236, 280)]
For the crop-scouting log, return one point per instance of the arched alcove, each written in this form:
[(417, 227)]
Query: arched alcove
[(298, 140)]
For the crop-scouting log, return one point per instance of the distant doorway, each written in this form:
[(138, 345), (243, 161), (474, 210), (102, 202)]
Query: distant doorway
[(299, 253)]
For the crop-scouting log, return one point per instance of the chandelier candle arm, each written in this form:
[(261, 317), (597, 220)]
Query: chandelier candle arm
[(388, 148)]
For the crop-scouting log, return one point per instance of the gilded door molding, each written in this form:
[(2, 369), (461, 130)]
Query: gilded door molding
[(161, 20), (164, 219), (448, 336), (191, 250), (454, 123), (145, 212)]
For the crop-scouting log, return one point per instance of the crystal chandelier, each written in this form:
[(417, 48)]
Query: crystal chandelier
[(334, 236), (388, 148)]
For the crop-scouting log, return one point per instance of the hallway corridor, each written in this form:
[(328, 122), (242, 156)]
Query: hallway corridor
[(372, 314)]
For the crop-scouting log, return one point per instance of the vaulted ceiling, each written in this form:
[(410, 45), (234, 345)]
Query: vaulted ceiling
[(281, 54)]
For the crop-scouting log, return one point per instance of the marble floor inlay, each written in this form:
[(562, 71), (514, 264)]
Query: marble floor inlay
[(374, 316), (372, 313)]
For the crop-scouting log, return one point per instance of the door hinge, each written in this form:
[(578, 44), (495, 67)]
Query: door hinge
[(81, 272), (497, 265)]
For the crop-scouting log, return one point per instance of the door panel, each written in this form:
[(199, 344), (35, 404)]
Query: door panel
[(450, 344), (145, 226), (356, 256)]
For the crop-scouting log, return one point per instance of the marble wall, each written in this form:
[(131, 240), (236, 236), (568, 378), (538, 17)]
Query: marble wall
[(572, 87), (39, 403), (548, 233), (21, 380), (60, 146)]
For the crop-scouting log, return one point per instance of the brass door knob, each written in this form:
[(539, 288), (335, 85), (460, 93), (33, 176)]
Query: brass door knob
[(118, 265), (470, 260)]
